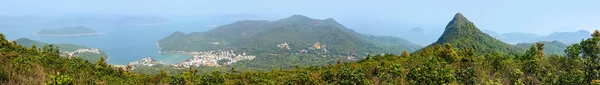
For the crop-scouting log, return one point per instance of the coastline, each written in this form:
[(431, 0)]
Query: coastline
[(160, 51), (70, 35)]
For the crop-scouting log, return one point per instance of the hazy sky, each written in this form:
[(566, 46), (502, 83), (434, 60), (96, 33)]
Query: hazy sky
[(535, 16)]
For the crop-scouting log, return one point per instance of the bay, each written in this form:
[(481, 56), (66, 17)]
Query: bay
[(122, 43)]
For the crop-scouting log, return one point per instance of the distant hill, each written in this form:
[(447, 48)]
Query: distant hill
[(107, 20), (416, 35), (90, 54), (293, 35), (299, 31), (462, 33), (417, 29), (68, 31), (553, 47), (492, 33), (520, 37), (517, 37), (566, 37)]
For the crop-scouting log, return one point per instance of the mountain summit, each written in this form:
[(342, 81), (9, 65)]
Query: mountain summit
[(462, 33), (458, 19), (298, 17)]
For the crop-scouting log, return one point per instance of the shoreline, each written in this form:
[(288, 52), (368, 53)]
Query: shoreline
[(161, 52), (70, 35)]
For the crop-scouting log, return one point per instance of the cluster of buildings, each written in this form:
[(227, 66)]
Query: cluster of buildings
[(212, 58), (78, 51), (145, 62), (206, 58)]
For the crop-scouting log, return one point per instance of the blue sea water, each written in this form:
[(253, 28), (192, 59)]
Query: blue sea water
[(122, 43)]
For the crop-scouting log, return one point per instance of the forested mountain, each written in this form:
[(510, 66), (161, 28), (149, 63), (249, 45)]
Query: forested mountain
[(90, 54), (296, 40), (462, 33), (435, 65), (300, 32), (553, 47), (23, 65)]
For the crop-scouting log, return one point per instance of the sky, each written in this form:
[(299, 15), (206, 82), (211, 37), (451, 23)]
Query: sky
[(534, 16)]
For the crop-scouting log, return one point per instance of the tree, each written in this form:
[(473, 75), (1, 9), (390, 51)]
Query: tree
[(397, 70), (540, 49), (432, 72), (466, 76), (590, 50), (59, 79), (573, 51), (215, 78), (405, 54), (101, 63), (448, 54)]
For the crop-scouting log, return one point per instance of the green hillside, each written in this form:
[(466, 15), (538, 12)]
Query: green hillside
[(436, 65), (462, 33), (299, 31), (65, 49), (310, 42), (21, 65), (443, 65), (553, 47)]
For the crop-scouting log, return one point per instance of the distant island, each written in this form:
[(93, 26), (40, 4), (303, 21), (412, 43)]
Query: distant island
[(69, 31), (108, 20)]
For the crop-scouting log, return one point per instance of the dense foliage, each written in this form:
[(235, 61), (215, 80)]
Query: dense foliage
[(462, 33), (307, 42), (553, 47), (34, 66), (437, 64), (65, 49), (300, 32), (443, 64)]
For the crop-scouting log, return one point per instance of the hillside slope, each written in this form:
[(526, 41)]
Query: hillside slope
[(462, 33), (90, 54), (301, 34), (554, 47)]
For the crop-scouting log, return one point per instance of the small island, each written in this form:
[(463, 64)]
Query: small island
[(69, 31)]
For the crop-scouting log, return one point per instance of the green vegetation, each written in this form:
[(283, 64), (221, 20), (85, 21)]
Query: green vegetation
[(443, 65), (68, 31), (256, 37), (435, 65), (301, 33), (39, 65), (553, 47), (65, 49), (462, 33)]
